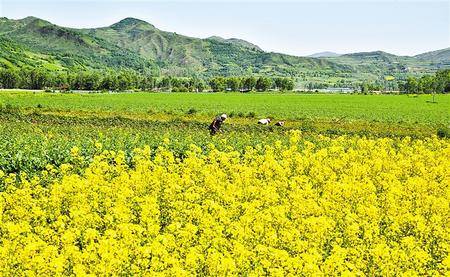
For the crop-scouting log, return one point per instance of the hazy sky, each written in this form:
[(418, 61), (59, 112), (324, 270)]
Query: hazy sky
[(293, 27)]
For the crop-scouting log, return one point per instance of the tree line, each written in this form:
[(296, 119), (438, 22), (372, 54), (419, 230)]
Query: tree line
[(39, 78), (121, 80), (438, 83), (426, 84)]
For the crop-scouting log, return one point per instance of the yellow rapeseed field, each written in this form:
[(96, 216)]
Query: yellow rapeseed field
[(347, 205)]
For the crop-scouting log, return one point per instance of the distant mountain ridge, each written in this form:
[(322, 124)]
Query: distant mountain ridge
[(326, 54), (138, 45), (438, 56), (237, 41)]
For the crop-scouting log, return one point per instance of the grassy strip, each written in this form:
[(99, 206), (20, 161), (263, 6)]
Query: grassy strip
[(200, 123), (373, 108)]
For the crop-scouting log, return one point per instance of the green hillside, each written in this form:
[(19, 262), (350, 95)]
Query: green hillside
[(181, 55), (135, 44), (440, 57), (380, 63), (66, 48), (237, 41)]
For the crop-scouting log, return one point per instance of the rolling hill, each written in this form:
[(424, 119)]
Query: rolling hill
[(65, 47), (181, 55), (135, 44), (440, 57), (379, 62), (326, 54)]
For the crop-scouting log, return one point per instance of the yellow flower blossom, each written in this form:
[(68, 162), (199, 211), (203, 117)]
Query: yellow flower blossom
[(341, 206)]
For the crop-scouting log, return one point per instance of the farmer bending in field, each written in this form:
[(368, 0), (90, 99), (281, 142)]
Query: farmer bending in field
[(217, 122)]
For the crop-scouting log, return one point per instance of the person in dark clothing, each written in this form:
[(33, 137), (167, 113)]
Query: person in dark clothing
[(217, 123)]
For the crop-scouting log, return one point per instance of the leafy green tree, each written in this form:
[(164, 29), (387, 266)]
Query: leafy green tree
[(263, 83), (9, 78), (108, 82), (443, 81), (364, 87), (35, 78), (59, 80), (411, 85), (198, 85), (287, 84), (248, 83), (426, 84), (125, 80), (217, 84), (165, 83), (147, 83), (233, 83)]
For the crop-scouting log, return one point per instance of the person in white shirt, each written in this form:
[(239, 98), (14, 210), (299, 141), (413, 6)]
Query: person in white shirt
[(264, 121)]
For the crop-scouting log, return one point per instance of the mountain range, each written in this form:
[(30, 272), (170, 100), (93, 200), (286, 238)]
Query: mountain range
[(135, 44)]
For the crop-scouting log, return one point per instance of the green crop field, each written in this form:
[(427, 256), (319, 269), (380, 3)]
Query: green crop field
[(382, 108), (38, 128)]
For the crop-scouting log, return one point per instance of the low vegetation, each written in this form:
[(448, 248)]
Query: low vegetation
[(415, 109)]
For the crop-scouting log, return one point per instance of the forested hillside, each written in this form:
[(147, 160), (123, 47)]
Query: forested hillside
[(136, 45)]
